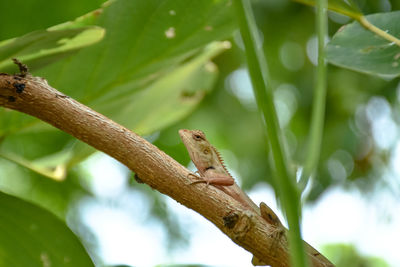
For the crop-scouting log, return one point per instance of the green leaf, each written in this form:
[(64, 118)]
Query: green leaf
[(356, 48), (348, 8), (163, 102), (151, 69), (39, 151), (49, 166), (43, 47), (169, 98), (144, 40), (31, 236), (141, 58)]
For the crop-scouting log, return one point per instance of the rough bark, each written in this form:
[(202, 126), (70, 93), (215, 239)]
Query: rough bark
[(33, 96)]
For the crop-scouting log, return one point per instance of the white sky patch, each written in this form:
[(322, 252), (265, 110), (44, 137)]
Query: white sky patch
[(109, 176), (348, 217), (170, 33), (122, 239), (285, 102), (238, 82), (395, 159), (312, 49), (172, 12), (384, 129), (208, 245), (336, 170)]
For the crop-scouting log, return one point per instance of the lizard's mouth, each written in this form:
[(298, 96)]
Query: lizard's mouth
[(183, 132)]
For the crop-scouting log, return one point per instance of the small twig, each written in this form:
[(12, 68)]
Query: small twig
[(23, 69)]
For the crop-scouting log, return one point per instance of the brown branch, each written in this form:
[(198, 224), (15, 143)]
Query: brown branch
[(33, 96)]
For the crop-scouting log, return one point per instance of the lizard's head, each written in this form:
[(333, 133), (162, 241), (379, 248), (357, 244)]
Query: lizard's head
[(197, 144), (198, 135), (194, 138)]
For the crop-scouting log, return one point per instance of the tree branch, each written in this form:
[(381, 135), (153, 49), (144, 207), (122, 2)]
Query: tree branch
[(33, 96)]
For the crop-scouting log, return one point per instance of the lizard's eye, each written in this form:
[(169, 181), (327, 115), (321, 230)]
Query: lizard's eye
[(197, 137)]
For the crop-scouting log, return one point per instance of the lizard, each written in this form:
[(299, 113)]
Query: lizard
[(212, 171), (211, 167)]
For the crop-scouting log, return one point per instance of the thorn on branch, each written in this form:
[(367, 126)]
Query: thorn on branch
[(23, 69)]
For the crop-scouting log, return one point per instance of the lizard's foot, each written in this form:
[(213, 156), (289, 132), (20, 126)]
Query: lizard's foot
[(198, 178), (276, 235), (194, 175), (199, 181)]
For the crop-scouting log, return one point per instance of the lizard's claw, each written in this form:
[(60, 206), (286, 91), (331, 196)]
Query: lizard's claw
[(200, 181), (198, 178), (193, 174)]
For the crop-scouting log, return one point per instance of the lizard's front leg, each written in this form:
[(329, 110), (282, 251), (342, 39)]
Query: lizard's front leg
[(214, 178), (199, 178)]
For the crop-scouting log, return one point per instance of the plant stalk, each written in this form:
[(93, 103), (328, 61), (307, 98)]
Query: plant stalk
[(261, 81)]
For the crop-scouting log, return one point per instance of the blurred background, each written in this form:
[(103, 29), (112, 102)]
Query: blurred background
[(351, 210)]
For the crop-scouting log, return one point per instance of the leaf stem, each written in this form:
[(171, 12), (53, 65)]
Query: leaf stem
[(368, 25), (261, 81), (358, 16), (58, 173), (318, 112)]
